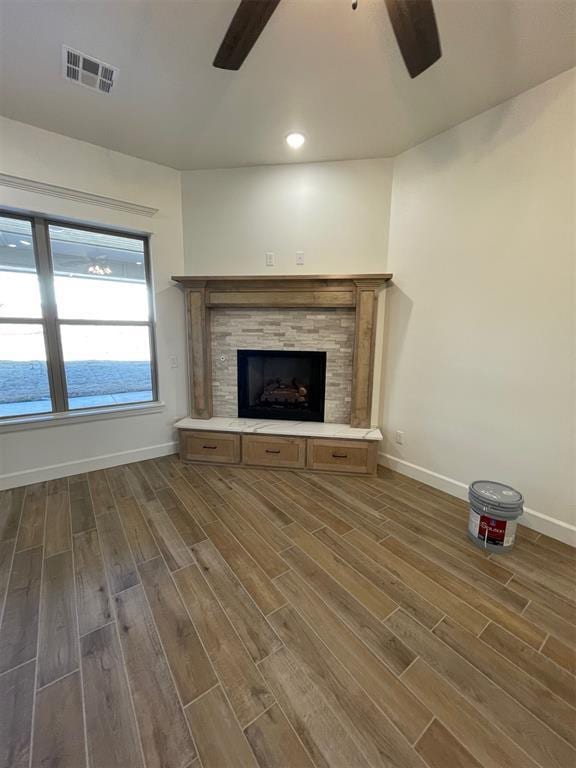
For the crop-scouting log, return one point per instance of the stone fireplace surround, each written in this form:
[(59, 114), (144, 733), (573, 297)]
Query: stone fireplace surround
[(206, 296), (329, 330)]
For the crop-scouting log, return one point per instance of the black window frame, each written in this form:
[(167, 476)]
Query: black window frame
[(51, 323)]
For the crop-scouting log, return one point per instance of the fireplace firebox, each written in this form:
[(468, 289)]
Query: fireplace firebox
[(280, 384)]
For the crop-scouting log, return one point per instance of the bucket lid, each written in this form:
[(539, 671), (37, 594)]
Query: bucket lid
[(498, 513), (495, 495)]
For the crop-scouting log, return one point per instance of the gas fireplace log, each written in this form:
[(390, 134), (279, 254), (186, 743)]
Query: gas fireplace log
[(277, 392)]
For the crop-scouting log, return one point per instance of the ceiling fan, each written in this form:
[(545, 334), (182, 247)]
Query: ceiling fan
[(413, 22)]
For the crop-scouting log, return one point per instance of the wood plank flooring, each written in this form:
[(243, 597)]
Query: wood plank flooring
[(162, 615)]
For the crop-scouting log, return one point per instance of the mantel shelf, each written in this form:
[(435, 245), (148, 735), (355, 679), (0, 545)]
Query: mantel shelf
[(320, 279)]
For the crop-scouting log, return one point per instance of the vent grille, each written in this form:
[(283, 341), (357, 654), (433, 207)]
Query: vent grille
[(88, 71)]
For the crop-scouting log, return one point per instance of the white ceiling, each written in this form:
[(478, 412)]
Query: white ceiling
[(319, 67)]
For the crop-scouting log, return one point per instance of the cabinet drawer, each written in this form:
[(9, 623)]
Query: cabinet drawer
[(342, 455), (219, 447), (274, 451)]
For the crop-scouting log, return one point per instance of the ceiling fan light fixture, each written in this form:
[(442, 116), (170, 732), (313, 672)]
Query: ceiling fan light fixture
[(100, 270), (295, 140)]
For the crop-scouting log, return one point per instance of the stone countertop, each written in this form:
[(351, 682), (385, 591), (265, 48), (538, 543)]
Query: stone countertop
[(281, 427)]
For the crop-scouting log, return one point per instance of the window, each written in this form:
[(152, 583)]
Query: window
[(76, 318)]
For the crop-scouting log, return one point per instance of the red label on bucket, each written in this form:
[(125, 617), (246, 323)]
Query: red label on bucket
[(493, 531), (499, 533)]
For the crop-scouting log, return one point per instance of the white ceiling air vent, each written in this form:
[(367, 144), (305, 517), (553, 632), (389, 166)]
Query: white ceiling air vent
[(88, 71)]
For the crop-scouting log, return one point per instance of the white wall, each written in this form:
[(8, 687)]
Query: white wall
[(337, 213), (28, 152), (480, 356)]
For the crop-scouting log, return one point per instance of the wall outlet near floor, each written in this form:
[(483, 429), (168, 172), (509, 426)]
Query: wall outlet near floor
[(270, 259), (399, 437), (173, 362), (300, 258)]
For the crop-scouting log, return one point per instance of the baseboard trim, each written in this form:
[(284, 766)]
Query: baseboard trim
[(54, 471), (531, 518)]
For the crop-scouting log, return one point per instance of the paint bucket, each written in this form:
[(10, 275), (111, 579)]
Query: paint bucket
[(494, 512)]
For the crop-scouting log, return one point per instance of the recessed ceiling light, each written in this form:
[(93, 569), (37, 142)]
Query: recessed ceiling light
[(11, 245), (25, 242), (295, 140)]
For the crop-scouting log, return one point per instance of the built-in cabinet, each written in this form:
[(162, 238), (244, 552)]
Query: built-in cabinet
[(217, 447), (320, 454)]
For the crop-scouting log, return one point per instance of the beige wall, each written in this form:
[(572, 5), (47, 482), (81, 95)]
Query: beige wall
[(28, 152), (337, 213), (480, 337)]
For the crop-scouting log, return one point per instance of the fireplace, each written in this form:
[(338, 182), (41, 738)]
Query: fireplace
[(275, 384)]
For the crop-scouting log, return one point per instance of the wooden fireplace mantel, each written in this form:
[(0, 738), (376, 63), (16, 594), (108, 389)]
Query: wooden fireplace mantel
[(288, 292)]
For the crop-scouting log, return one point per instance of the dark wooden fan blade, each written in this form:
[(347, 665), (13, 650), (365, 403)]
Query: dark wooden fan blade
[(249, 20), (414, 25)]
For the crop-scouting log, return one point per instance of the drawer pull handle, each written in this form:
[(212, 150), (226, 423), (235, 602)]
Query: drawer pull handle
[(270, 451), (339, 455), (210, 447)]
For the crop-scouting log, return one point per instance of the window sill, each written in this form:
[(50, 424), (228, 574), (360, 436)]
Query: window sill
[(19, 423)]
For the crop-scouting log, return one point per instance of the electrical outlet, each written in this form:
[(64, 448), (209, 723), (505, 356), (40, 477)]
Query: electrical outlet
[(174, 362), (270, 259), (399, 437), (300, 258)]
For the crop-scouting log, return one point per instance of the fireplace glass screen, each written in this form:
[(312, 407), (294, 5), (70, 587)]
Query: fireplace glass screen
[(274, 384)]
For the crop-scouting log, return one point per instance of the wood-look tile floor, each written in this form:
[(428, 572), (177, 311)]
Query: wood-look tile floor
[(168, 616)]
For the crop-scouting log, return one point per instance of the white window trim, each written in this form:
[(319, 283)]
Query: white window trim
[(18, 423), (40, 226)]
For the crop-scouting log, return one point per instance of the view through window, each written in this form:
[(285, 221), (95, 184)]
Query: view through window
[(76, 324)]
